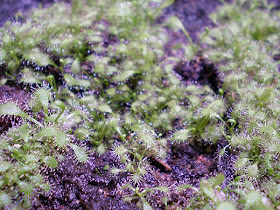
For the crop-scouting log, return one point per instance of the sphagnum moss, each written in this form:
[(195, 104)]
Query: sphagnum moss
[(129, 97)]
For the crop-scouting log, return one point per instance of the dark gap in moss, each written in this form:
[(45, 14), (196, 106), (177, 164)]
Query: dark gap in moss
[(200, 70)]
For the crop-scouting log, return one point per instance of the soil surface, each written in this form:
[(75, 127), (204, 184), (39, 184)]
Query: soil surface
[(77, 185), (194, 14), (89, 185)]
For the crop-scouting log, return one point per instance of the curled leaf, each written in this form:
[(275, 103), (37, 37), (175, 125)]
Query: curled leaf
[(75, 68), (123, 76), (105, 108), (79, 152), (4, 199), (50, 161)]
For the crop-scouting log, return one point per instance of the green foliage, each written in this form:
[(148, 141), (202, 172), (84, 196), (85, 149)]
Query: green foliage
[(119, 92), (25, 149), (137, 194), (209, 194), (243, 42)]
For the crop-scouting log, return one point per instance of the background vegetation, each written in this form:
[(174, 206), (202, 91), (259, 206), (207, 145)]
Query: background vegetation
[(99, 73)]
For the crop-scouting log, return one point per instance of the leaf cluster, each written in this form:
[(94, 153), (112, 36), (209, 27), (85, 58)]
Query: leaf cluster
[(244, 44), (118, 91), (36, 144)]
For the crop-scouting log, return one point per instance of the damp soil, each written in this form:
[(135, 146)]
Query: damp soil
[(89, 185), (194, 15)]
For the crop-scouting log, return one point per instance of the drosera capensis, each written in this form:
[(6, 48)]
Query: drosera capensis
[(244, 44), (104, 81), (35, 144)]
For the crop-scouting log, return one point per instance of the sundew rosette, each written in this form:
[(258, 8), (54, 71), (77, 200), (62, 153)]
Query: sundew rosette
[(10, 100)]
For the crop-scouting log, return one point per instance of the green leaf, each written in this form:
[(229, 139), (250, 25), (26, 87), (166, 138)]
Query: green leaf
[(207, 188), (47, 132), (166, 3), (70, 80), (190, 52), (120, 9), (11, 109), (42, 96), (121, 49), (3, 81), (30, 77), (25, 188), (37, 179), (73, 82), (17, 154), (83, 83), (75, 68), (1, 183), (186, 186), (4, 199), (111, 91), (30, 159), (219, 179), (146, 205), (101, 149), (194, 100), (80, 153), (181, 135), (61, 139), (61, 105), (2, 56), (39, 58), (4, 166), (225, 206), (161, 188), (253, 170), (45, 187), (105, 108), (50, 161), (175, 23), (252, 198), (123, 76), (241, 162), (267, 129), (81, 133)]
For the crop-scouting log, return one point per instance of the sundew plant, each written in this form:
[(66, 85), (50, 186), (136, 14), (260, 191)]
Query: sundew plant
[(99, 74), (244, 45)]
